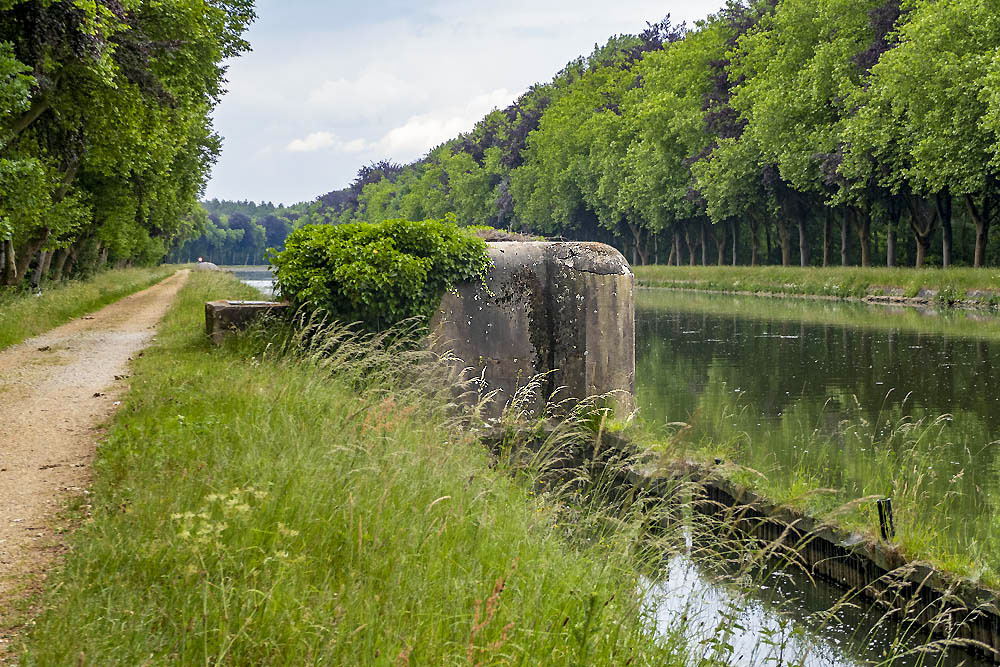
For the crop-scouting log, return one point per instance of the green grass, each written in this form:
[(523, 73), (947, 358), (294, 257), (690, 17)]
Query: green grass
[(23, 315), (840, 282), (836, 474), (269, 510), (262, 504)]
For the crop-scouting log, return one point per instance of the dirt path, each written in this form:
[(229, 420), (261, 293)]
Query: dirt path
[(57, 391)]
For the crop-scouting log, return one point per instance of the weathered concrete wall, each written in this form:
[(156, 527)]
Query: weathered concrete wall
[(224, 318), (565, 309)]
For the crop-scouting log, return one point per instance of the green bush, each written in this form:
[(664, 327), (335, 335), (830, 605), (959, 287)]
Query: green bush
[(377, 274)]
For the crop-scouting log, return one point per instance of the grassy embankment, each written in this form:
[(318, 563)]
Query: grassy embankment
[(23, 315), (840, 282), (267, 511)]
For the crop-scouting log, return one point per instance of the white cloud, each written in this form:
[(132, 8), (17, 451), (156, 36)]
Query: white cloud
[(372, 91), (318, 141), (413, 138), (424, 131)]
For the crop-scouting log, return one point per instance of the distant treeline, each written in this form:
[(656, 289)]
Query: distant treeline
[(781, 131), (237, 232), (106, 137)]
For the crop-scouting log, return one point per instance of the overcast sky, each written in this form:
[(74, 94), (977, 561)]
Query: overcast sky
[(331, 85)]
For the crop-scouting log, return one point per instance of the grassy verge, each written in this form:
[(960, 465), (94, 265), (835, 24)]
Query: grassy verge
[(841, 282), (268, 511), (23, 315)]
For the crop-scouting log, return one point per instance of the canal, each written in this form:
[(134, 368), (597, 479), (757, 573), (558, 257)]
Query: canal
[(821, 403), (824, 403)]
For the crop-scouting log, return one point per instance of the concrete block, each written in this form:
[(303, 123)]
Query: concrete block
[(563, 309), (223, 318)]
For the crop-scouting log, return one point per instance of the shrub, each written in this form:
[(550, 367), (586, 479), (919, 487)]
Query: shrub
[(377, 274)]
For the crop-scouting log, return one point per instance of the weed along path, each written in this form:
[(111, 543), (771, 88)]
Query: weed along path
[(57, 390)]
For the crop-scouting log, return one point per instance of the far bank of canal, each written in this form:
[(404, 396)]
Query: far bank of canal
[(858, 400)]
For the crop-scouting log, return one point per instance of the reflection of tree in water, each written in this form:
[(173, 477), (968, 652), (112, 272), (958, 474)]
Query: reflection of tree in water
[(812, 405), (775, 363)]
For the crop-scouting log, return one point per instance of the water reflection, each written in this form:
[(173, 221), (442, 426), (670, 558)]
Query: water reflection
[(880, 409), (780, 620)]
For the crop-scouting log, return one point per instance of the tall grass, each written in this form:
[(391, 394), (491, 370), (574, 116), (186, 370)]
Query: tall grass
[(319, 498), (842, 282), (278, 511), (835, 471), (24, 314)]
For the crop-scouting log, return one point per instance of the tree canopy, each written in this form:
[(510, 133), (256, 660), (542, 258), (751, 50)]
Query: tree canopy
[(105, 135), (781, 119)]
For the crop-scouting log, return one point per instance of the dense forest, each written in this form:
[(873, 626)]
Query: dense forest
[(237, 232), (105, 132), (775, 131)]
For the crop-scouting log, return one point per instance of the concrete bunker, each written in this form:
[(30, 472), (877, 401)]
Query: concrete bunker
[(562, 309)]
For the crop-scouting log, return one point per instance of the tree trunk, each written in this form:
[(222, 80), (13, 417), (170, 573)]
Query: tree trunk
[(923, 227), (39, 106), (704, 244), (767, 243), (10, 264), (754, 243), (640, 254), (785, 239), (643, 254), (923, 245), (803, 242), (827, 236), (982, 216), (74, 253), (732, 235), (864, 229), (36, 277), (719, 233), (28, 252), (942, 201), (677, 244), (845, 238), (690, 246), (890, 237), (59, 264)]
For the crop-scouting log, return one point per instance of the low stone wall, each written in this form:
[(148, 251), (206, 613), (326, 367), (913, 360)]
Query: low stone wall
[(224, 318), (565, 310)]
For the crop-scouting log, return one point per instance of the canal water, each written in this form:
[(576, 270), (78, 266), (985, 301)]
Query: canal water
[(255, 276), (855, 399), (858, 400)]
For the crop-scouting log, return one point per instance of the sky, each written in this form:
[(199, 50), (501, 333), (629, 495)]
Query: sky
[(332, 85)]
